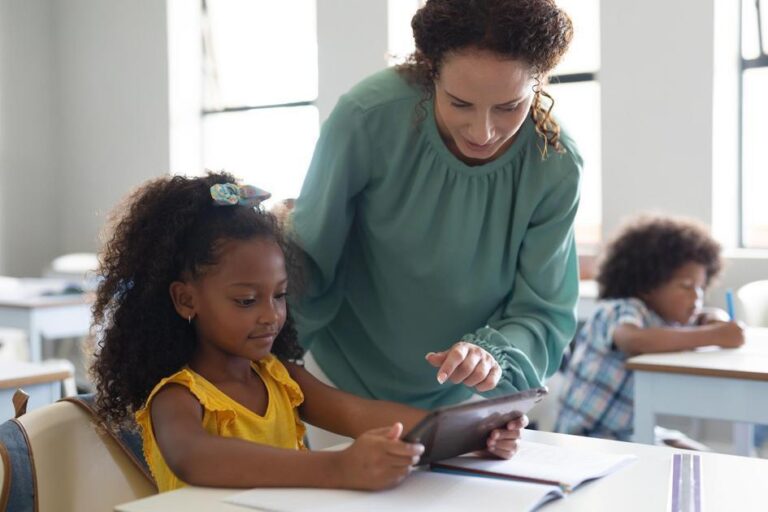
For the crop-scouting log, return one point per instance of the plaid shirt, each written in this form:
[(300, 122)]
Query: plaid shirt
[(597, 397)]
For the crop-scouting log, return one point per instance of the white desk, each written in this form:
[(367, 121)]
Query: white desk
[(46, 317), (724, 384), (729, 483)]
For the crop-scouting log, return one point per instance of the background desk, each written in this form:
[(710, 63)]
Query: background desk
[(729, 483), (724, 384), (59, 316), (42, 383)]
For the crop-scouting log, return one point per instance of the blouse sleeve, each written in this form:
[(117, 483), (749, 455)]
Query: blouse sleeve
[(529, 331), (325, 209)]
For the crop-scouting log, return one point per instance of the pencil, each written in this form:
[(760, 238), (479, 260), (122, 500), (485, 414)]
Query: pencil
[(729, 304)]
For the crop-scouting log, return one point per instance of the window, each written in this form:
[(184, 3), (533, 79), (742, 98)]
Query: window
[(573, 85), (260, 74), (754, 123), (576, 90)]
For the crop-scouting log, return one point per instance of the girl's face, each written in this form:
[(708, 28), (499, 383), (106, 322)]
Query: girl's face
[(680, 298), (239, 304), (480, 103)]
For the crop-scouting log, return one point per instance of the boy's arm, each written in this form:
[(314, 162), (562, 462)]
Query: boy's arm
[(634, 340), (377, 460), (347, 414)]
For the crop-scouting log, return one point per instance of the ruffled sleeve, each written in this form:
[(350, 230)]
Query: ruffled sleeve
[(279, 372), (224, 411)]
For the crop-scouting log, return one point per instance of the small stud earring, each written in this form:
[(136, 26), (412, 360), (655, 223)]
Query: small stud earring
[(189, 319)]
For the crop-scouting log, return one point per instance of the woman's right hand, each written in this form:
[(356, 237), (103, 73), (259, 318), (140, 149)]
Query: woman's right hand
[(729, 334), (378, 459)]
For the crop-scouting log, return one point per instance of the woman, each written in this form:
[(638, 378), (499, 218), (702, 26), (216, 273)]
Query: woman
[(437, 214)]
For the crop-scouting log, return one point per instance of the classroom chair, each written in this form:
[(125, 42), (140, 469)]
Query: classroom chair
[(753, 303), (76, 466)]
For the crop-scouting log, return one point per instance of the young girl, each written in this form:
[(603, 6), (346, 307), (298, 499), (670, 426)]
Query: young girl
[(196, 340), (652, 282)]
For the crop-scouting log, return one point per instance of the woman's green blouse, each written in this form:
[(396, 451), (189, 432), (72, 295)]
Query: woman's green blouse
[(409, 250)]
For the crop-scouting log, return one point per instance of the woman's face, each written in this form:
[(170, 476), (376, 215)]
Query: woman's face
[(480, 103)]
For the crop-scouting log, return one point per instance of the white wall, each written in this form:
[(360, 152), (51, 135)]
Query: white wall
[(83, 118), (112, 68), (352, 44), (29, 196)]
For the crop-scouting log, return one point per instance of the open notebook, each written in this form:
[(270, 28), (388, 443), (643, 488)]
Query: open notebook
[(566, 468), (431, 490)]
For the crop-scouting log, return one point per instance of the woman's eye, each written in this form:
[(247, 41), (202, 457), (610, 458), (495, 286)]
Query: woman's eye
[(281, 296), (459, 105), (245, 302), (509, 108)]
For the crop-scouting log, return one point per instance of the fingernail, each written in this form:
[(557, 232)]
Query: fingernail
[(419, 448), (415, 459), (441, 377), (430, 354)]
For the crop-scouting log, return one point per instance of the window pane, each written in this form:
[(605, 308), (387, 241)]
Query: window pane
[(577, 109), (264, 53), (750, 45), (584, 54), (400, 34), (269, 148), (755, 158)]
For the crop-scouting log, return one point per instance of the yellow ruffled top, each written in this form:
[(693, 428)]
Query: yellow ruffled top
[(280, 425)]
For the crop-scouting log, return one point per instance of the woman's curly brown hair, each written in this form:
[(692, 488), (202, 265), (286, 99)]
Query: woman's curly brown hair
[(536, 32), (167, 229), (647, 253)]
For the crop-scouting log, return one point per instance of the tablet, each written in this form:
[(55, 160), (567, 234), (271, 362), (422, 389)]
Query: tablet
[(451, 431)]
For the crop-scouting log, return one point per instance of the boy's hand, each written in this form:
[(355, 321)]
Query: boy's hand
[(710, 316), (378, 459), (729, 334), (502, 443), (466, 363)]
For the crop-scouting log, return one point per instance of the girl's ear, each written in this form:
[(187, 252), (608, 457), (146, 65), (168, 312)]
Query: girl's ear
[(183, 297)]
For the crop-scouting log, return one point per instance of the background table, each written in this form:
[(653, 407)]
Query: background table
[(44, 317), (42, 383), (729, 483), (723, 384)]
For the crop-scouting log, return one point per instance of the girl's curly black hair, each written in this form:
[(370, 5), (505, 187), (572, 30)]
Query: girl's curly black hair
[(647, 253), (536, 32), (167, 228)]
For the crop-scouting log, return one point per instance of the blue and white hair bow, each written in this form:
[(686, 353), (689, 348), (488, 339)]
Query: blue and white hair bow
[(229, 194)]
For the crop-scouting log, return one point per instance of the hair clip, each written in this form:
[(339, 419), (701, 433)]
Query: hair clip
[(230, 194)]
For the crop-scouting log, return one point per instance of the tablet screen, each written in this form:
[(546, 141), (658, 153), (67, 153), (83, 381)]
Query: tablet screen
[(451, 431)]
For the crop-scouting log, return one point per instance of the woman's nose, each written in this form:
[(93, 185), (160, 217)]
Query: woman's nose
[(481, 129)]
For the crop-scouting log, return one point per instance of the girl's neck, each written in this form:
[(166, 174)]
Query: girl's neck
[(216, 366)]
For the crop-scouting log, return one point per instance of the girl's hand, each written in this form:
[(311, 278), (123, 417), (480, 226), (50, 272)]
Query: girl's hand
[(468, 364), (502, 442), (378, 459)]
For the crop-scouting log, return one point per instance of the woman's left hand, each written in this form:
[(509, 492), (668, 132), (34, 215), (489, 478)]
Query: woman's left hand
[(502, 442), (466, 363)]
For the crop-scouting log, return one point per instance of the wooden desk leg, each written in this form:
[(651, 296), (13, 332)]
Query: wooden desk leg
[(645, 418), (743, 439)]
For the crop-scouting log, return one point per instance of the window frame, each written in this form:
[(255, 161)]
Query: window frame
[(761, 61)]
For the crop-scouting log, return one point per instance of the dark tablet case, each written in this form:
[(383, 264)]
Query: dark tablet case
[(451, 431)]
